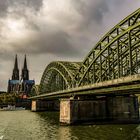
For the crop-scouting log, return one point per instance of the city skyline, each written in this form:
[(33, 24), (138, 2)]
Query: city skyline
[(47, 31)]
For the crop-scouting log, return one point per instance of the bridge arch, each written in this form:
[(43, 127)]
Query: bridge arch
[(35, 90), (116, 55), (59, 76)]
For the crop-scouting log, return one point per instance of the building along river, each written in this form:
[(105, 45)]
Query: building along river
[(27, 125)]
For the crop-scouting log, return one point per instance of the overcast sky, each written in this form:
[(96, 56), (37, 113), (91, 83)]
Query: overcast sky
[(52, 30)]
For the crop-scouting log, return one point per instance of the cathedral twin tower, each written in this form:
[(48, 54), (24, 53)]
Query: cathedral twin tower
[(17, 84), (25, 72)]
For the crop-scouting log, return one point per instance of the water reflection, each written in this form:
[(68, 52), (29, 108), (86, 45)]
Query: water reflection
[(26, 125), (49, 123), (99, 132), (94, 132), (135, 135), (51, 117)]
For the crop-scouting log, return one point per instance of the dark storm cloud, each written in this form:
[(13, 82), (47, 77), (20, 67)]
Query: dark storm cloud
[(7, 6), (57, 43), (3, 7), (35, 4), (92, 13), (91, 10)]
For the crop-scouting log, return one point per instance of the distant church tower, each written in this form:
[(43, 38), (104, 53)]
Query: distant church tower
[(15, 75), (25, 71), (20, 85)]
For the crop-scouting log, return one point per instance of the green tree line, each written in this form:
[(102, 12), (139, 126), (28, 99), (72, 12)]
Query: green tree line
[(9, 98)]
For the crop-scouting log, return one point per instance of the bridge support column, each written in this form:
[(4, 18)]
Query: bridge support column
[(118, 109), (43, 105), (73, 111), (123, 108)]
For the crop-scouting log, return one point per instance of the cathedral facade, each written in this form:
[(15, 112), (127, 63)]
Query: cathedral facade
[(20, 84)]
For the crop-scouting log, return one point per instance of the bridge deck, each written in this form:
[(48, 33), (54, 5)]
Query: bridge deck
[(117, 86)]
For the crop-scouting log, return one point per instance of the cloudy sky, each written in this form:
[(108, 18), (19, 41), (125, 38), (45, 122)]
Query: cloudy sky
[(50, 30)]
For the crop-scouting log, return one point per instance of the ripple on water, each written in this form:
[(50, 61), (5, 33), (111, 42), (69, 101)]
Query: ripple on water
[(27, 125)]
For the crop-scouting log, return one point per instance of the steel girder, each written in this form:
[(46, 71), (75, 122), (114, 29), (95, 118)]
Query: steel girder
[(116, 55), (35, 90), (58, 76)]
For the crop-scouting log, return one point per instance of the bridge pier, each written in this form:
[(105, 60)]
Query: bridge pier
[(100, 109), (44, 105)]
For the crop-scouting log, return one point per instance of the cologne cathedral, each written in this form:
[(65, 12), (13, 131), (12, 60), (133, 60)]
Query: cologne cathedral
[(20, 84)]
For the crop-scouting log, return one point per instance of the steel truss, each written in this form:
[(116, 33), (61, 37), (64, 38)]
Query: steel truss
[(35, 90), (58, 76), (116, 55)]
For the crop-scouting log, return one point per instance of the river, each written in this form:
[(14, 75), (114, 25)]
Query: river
[(27, 125)]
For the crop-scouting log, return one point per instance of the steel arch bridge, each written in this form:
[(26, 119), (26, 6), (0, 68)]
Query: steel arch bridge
[(59, 76), (116, 55), (35, 90)]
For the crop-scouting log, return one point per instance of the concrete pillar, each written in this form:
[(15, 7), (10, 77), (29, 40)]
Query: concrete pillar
[(123, 108), (138, 103), (34, 105), (73, 111), (43, 105), (106, 109)]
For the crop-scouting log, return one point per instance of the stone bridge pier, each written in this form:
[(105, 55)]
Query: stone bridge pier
[(123, 109), (96, 109), (45, 105)]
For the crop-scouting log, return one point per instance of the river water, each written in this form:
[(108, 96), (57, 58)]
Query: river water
[(27, 125)]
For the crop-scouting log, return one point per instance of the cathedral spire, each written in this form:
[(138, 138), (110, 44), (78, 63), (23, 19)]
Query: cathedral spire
[(15, 75), (25, 63), (25, 72), (16, 63)]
